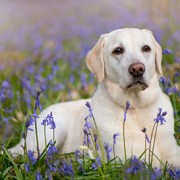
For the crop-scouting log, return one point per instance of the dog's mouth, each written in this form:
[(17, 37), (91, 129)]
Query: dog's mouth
[(140, 84)]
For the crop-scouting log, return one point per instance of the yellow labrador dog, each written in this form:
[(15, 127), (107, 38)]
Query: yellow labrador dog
[(127, 65)]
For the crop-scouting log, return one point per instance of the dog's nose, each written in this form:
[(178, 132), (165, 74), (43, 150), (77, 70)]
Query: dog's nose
[(136, 69)]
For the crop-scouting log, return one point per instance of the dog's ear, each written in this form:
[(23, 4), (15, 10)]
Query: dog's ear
[(94, 59), (158, 55)]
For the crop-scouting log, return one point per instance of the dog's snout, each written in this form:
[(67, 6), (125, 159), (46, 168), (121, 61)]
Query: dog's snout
[(137, 69)]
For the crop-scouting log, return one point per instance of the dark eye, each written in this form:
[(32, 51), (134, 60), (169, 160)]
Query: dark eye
[(118, 50), (146, 48)]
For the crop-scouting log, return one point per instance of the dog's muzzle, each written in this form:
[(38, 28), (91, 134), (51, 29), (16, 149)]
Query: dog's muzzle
[(137, 70)]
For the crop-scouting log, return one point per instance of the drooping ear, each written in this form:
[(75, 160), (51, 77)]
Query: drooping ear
[(94, 59), (158, 55)]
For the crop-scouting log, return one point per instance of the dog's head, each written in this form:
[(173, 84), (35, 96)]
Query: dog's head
[(129, 57)]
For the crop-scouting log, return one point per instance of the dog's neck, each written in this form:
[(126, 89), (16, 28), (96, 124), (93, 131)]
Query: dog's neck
[(136, 97)]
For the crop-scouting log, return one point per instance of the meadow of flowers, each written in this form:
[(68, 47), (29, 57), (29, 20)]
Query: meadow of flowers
[(42, 50)]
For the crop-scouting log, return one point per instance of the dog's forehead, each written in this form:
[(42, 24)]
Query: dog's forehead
[(129, 36)]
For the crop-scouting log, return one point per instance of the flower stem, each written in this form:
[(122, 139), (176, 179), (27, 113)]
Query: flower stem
[(124, 142), (154, 143), (37, 141)]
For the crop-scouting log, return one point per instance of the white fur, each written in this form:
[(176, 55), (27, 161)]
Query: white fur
[(109, 100)]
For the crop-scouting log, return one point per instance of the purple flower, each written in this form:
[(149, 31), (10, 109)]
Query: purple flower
[(144, 131), (30, 122), (108, 150), (156, 174), (51, 149), (31, 157), (127, 107), (78, 156), (97, 163), (49, 121), (5, 85), (27, 167), (115, 136), (95, 141), (90, 109), (87, 134), (66, 169), (167, 51), (37, 102), (38, 176), (135, 166), (160, 117), (174, 173)]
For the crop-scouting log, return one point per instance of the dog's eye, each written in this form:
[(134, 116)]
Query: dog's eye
[(146, 48), (118, 50)]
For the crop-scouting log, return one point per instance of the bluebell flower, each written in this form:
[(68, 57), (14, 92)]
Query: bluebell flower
[(37, 102), (38, 176), (78, 155), (31, 157), (66, 169), (108, 150), (51, 149), (5, 85), (174, 173), (163, 81), (71, 79), (95, 141), (160, 117), (50, 121), (135, 166), (114, 137), (156, 174), (97, 163), (27, 167), (127, 108), (144, 131), (52, 167), (90, 109), (30, 122), (167, 51), (87, 134)]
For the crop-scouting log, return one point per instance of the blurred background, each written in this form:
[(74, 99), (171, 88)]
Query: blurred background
[(27, 26), (43, 45)]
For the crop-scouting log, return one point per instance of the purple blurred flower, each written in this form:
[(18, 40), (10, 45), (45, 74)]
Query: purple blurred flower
[(90, 109), (27, 167), (37, 102), (95, 141), (144, 131), (38, 176), (127, 107), (51, 149), (108, 150), (31, 157), (114, 137), (156, 174), (167, 51), (97, 163), (78, 155), (49, 120), (174, 173), (5, 85), (160, 117), (30, 122), (135, 166), (66, 169), (71, 79)]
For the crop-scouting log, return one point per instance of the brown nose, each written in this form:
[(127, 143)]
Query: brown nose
[(136, 69)]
